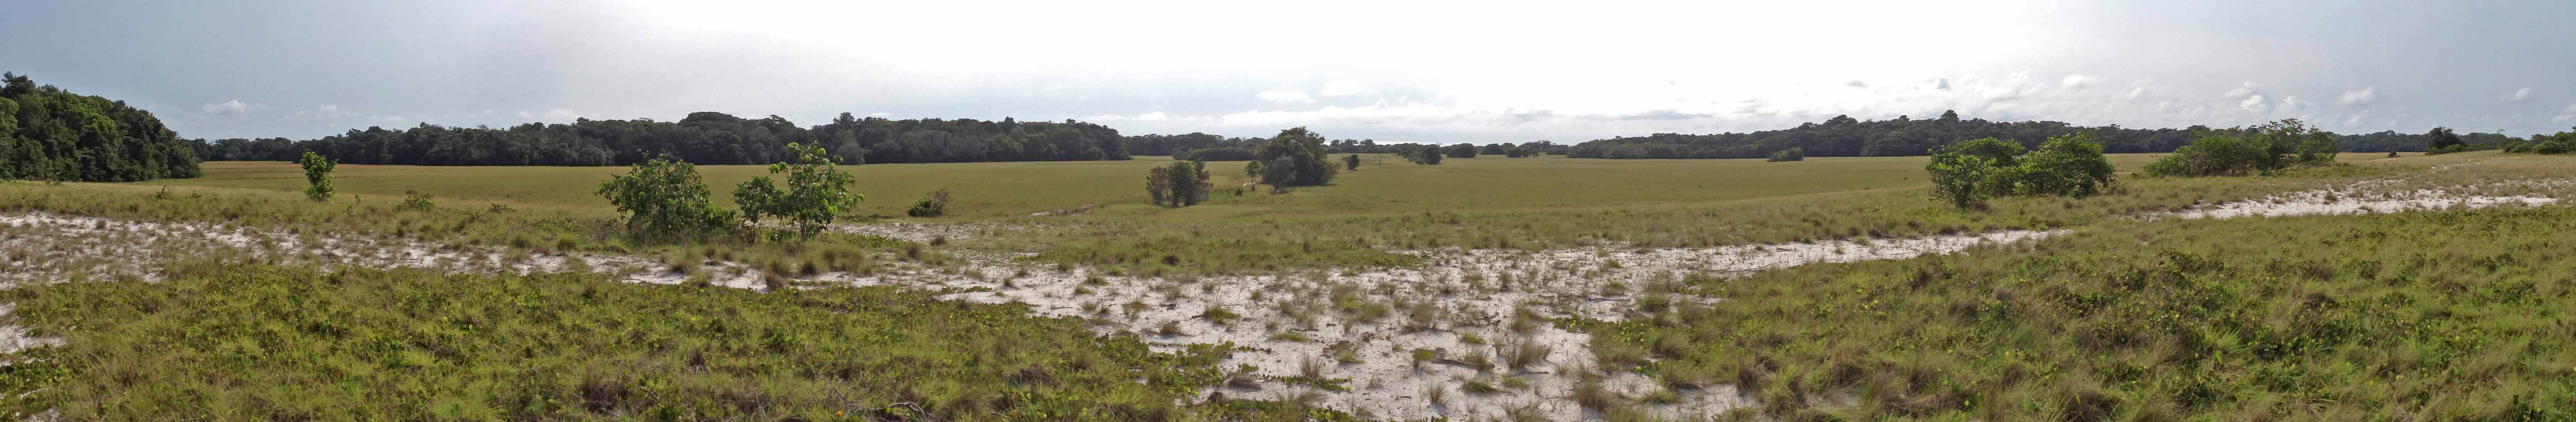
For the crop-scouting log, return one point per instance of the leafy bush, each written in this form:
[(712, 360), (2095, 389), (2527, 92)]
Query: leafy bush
[(2442, 137), (1962, 178), (933, 204), (416, 201), (664, 198), (817, 191), (2453, 148), (2070, 165), (2261, 149), (317, 173), (1792, 154), (1427, 155), (1351, 162), (1969, 172), (2560, 143)]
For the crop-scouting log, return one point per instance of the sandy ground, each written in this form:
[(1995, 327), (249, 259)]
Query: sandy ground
[(1483, 315)]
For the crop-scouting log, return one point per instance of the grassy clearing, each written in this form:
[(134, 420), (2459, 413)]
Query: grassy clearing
[(287, 343), (1477, 203), (2415, 316)]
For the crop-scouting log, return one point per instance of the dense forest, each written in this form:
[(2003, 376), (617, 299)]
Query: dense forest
[(47, 133), (1207, 147), (1843, 136), (700, 138)]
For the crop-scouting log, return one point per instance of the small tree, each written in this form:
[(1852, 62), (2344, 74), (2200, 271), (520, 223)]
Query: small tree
[(1280, 174), (1351, 162), (1306, 164), (317, 172), (817, 191), (1158, 184), (664, 198), (1253, 169), (2441, 137), (1193, 190), (1430, 155)]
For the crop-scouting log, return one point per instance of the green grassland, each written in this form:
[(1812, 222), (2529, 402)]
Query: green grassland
[(2407, 316), (2417, 316)]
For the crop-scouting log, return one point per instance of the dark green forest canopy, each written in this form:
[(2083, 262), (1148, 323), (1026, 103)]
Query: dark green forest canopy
[(47, 133), (703, 138), (1843, 136)]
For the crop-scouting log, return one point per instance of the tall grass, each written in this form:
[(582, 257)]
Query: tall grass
[(288, 343), (2417, 316)]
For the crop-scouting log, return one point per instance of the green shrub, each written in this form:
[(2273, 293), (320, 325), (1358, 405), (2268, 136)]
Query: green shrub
[(933, 204), (1351, 162), (1462, 150), (1969, 172), (1181, 184), (2260, 149), (1792, 154), (664, 198), (2070, 165), (317, 172), (817, 191), (2453, 148), (416, 201)]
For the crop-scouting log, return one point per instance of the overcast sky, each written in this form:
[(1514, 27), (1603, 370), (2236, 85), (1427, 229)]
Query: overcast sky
[(1388, 70)]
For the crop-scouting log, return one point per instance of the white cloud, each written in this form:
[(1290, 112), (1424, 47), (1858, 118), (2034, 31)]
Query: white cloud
[(561, 115), (880, 114), (2363, 96), (1856, 83), (233, 108), (1345, 89), (2252, 102), (1941, 84), (327, 112), (1286, 96), (2355, 120), (2135, 93), (2517, 95), (2293, 103), (525, 115), (2566, 115), (2077, 82), (1154, 116), (2249, 89)]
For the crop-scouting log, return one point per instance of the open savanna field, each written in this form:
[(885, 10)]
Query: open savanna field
[(2409, 288)]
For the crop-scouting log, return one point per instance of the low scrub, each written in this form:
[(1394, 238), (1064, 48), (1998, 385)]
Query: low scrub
[(2411, 316), (1969, 172), (1792, 154), (289, 343), (2264, 149)]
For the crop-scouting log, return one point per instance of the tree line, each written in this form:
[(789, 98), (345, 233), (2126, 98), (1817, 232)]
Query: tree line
[(1844, 136), (47, 133), (1206, 147), (701, 138)]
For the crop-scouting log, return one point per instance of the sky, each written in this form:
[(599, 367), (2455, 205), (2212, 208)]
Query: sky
[(1393, 71)]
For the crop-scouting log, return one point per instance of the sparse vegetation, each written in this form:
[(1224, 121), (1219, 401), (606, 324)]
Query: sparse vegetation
[(317, 175)]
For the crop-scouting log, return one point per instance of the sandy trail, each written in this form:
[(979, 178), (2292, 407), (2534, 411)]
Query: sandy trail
[(1477, 311)]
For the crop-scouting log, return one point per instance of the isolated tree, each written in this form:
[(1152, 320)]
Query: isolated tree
[(2441, 137), (1253, 169), (1351, 162), (1999, 152), (1792, 154), (1299, 154), (1430, 155), (817, 191), (664, 198), (933, 204), (317, 173)]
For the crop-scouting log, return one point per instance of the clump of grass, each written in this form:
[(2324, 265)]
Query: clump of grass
[(1478, 386), (1218, 315)]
